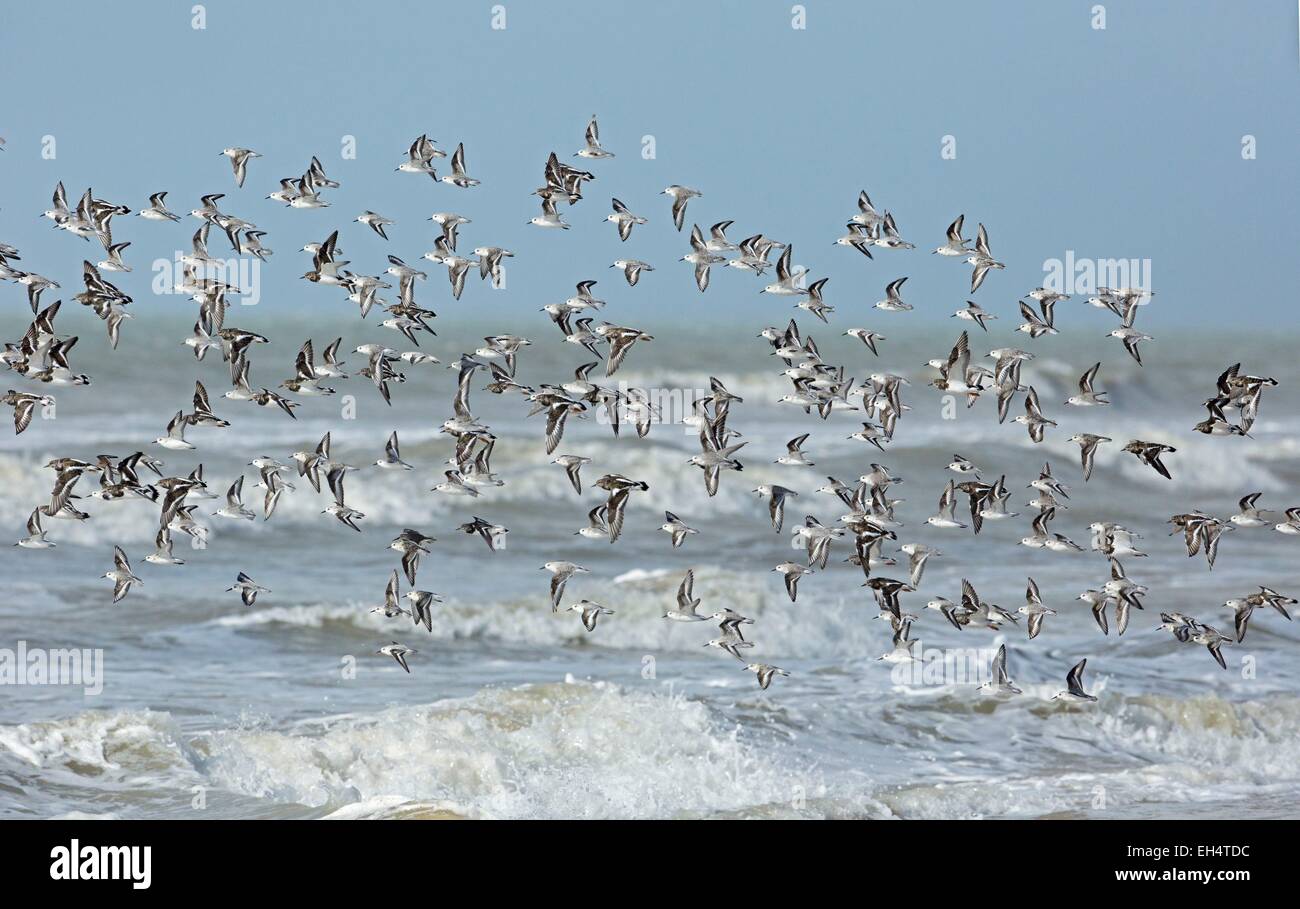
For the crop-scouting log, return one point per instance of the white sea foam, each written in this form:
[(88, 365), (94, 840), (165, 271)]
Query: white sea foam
[(580, 749), (572, 749)]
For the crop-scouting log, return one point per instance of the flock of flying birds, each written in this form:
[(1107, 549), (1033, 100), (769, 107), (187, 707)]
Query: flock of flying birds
[(42, 358)]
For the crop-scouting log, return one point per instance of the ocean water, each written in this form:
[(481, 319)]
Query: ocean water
[(212, 709)]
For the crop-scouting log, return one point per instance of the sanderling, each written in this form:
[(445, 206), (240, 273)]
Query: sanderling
[(893, 301), (392, 459), (973, 312), (35, 538), (1249, 515), (718, 241), (175, 438), (457, 176), (991, 614), (789, 281), (870, 433), (1035, 325), (114, 261), (597, 525), (946, 515), (1097, 601), (1000, 683), (730, 642), (411, 544), (1088, 443), (1212, 638), (24, 406), (623, 219), (1244, 607), (422, 606), (1032, 419), (886, 236), (901, 652), (813, 302), (791, 572), (867, 214), (956, 244), (390, 608), (398, 652), (858, 237), (162, 554), (247, 588), (572, 464), (560, 574), (1126, 593), (203, 414), (1131, 338), (550, 217), (239, 161), (676, 528), (982, 261), (157, 210), (632, 269), (776, 496), (234, 507), (1291, 526), (1034, 609), (1114, 540), (419, 157), (963, 466), (868, 338), (680, 196), (121, 575), (1087, 397), (1149, 454), (493, 535), (455, 484), (957, 375), (590, 612), (765, 673), (1074, 684), (918, 554), (375, 222), (702, 258), (1048, 483), (593, 148), (686, 601)]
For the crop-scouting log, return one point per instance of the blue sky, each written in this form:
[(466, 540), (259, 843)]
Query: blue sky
[(1123, 142)]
